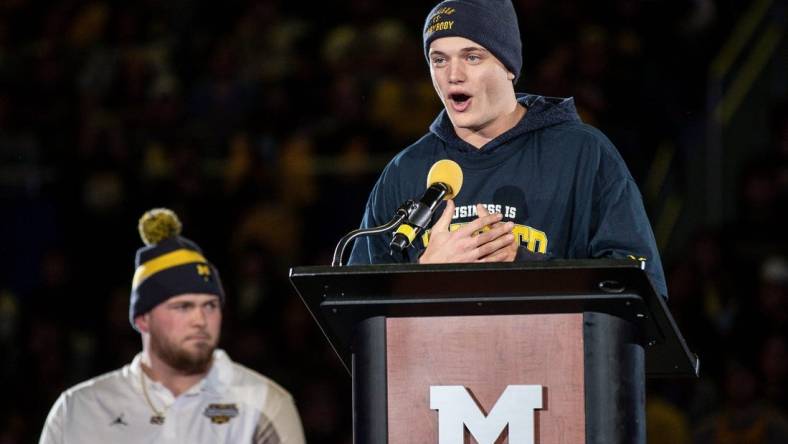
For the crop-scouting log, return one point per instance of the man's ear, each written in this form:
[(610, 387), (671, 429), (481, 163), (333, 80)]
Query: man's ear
[(141, 322), (509, 75)]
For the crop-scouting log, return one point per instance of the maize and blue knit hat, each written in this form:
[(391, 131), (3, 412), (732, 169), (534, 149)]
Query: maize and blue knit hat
[(490, 23), (168, 265)]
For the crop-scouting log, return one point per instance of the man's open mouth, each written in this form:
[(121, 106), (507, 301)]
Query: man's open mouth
[(460, 98), (460, 102)]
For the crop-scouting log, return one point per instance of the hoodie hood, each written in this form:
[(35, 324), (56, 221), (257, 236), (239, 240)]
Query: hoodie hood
[(542, 112)]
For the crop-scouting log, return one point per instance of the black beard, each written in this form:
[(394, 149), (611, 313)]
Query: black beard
[(181, 360)]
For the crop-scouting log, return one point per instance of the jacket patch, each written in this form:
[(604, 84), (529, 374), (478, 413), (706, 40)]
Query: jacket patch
[(221, 413)]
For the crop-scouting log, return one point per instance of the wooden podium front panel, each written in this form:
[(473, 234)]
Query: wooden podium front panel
[(485, 354)]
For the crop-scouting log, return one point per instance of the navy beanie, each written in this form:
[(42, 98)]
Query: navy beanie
[(490, 23), (169, 265)]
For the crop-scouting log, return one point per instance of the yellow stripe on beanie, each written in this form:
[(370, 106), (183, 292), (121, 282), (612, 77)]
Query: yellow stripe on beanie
[(163, 262)]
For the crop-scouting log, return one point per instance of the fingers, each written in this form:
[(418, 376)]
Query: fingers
[(498, 230), (481, 222), (485, 239), (442, 224), (494, 246), (502, 255), (481, 210)]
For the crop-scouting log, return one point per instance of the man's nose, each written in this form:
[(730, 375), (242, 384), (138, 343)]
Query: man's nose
[(200, 317), (456, 72)]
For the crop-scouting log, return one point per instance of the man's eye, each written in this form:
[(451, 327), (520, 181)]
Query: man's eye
[(473, 58), (438, 60)]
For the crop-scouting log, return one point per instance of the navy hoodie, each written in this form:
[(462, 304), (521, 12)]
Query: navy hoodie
[(562, 183)]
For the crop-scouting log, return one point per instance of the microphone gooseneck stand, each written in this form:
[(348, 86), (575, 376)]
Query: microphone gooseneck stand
[(399, 217)]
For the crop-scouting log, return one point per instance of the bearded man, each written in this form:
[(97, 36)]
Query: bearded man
[(181, 387)]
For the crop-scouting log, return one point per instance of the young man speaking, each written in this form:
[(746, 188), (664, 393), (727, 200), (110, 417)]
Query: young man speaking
[(541, 183)]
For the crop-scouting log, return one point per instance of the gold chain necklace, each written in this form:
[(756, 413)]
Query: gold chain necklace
[(158, 416)]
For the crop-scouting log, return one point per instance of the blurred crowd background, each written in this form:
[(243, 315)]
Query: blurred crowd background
[(264, 124)]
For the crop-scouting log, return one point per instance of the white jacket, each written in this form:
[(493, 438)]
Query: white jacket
[(232, 404)]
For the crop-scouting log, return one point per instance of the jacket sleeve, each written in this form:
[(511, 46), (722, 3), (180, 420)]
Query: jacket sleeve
[(53, 427), (283, 426), (620, 228)]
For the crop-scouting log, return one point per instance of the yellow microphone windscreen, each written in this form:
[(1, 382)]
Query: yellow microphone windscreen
[(448, 172)]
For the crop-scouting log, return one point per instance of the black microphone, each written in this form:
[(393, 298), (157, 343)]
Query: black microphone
[(443, 182)]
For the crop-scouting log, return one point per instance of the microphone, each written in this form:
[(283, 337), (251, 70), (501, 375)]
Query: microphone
[(443, 182)]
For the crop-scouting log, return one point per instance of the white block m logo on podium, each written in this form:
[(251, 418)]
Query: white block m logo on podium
[(457, 410)]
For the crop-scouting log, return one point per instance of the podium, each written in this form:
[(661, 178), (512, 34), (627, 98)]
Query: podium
[(587, 331)]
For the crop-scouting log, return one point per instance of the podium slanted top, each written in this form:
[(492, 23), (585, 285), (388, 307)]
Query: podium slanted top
[(340, 297)]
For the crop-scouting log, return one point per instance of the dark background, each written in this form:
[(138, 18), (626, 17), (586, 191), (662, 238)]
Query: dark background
[(264, 124)]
